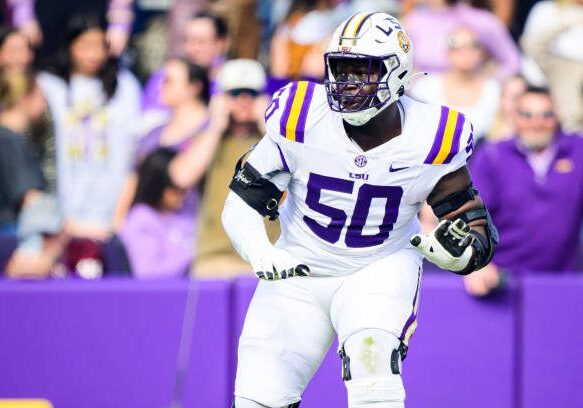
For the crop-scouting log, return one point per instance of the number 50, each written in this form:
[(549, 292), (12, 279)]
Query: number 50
[(354, 236)]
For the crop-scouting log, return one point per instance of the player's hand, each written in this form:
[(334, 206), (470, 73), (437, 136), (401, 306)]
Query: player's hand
[(273, 263), (448, 245)]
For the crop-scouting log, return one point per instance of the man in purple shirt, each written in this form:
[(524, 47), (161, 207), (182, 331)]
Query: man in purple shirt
[(533, 186)]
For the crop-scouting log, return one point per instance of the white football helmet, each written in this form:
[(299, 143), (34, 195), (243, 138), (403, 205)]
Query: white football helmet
[(376, 40)]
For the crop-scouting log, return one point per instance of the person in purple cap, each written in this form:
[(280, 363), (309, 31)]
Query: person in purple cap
[(533, 184), (357, 158)]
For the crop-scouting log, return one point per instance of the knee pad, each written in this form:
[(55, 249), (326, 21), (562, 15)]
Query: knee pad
[(377, 392), (371, 361), (247, 403)]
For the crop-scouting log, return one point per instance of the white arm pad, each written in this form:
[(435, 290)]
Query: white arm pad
[(244, 226)]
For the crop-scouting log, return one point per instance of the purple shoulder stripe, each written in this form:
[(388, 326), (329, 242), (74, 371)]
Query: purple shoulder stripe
[(455, 145), (288, 105), (438, 136), (301, 127), (285, 166)]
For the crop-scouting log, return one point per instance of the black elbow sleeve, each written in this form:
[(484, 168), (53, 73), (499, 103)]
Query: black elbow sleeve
[(259, 193), (483, 246)]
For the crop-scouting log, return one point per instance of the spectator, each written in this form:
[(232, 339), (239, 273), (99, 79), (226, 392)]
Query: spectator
[(157, 239), (533, 186), (40, 21), (206, 42), (16, 56), (298, 43), (464, 86), (179, 15), (503, 9), (185, 91), (430, 27), (15, 52), (21, 104), (552, 38), (95, 107), (42, 241), (503, 127), (24, 208), (243, 18), (243, 82)]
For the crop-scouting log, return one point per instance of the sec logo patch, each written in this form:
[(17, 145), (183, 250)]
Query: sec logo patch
[(360, 160)]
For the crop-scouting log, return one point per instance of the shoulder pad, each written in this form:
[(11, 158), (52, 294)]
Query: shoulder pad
[(287, 114), (448, 135)]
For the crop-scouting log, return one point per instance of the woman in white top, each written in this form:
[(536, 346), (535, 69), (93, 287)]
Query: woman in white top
[(95, 107), (465, 85)]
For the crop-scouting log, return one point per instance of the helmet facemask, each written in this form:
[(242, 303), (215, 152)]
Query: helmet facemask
[(362, 94)]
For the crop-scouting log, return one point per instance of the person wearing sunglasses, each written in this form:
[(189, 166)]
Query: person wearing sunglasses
[(533, 185)]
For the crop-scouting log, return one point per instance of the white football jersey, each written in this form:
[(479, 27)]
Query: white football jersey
[(345, 207)]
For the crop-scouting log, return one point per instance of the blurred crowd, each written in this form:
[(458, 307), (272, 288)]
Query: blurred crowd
[(121, 122)]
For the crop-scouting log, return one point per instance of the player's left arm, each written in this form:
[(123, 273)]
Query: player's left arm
[(465, 239)]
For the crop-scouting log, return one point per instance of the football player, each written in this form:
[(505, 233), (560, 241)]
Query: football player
[(357, 158)]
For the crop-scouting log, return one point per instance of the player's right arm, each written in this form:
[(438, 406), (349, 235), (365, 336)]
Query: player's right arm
[(257, 188)]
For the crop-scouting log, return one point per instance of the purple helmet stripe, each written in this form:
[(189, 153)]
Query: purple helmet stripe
[(344, 29), (288, 105), (455, 147), (304, 113), (362, 23), (282, 157), (438, 136)]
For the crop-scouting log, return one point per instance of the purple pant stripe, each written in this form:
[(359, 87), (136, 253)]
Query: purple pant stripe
[(413, 315), (282, 157), (438, 136), (455, 145), (301, 127), (287, 110)]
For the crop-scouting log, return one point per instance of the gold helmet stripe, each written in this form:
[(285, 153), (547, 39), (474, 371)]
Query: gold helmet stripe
[(352, 27)]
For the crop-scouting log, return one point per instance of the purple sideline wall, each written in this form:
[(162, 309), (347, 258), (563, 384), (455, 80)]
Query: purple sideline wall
[(111, 343), (462, 352), (115, 344), (552, 342)]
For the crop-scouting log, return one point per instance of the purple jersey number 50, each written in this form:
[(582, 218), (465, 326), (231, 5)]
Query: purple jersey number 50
[(367, 192)]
